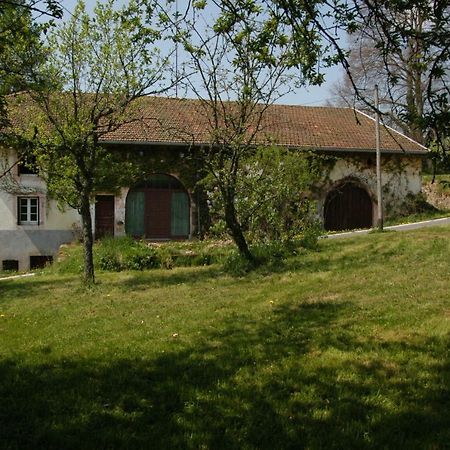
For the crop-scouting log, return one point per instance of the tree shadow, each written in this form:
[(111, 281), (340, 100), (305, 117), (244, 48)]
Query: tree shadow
[(245, 385), (360, 254), (161, 278), (24, 288)]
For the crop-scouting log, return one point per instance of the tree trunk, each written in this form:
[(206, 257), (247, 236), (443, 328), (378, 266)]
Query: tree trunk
[(236, 230), (88, 240)]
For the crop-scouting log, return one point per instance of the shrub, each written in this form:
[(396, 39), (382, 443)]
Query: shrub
[(310, 236), (235, 264), (124, 253)]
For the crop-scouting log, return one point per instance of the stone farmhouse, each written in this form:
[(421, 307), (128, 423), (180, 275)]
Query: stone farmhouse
[(165, 203)]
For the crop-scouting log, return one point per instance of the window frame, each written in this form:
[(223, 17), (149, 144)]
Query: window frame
[(29, 212)]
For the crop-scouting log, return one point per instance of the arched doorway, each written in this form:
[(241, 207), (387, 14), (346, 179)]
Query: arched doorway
[(158, 208), (347, 207)]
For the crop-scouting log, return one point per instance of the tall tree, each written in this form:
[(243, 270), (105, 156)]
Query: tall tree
[(21, 52), (243, 60), (96, 69), (20, 41), (422, 30), (401, 75)]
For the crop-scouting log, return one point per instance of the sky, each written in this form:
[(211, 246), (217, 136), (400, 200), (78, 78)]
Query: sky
[(308, 95)]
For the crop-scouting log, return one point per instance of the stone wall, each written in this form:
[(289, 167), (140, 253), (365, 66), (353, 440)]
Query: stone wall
[(401, 176), (401, 179)]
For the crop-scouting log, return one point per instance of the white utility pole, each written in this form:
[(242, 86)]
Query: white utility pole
[(379, 190)]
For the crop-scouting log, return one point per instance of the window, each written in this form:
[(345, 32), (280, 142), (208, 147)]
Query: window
[(10, 264), (27, 165), (28, 210)]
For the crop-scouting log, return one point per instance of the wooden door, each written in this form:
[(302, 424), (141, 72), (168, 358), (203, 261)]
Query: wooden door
[(158, 208), (135, 214), (179, 215), (348, 207), (104, 216), (157, 213)]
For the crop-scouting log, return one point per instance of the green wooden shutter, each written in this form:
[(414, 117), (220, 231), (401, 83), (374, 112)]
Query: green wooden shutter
[(134, 215), (179, 214)]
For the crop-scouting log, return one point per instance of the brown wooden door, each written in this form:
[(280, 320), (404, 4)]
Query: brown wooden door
[(158, 208), (157, 213), (348, 207), (104, 216)]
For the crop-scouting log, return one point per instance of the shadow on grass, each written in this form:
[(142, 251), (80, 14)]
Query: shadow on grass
[(24, 288), (368, 251), (163, 278), (264, 384)]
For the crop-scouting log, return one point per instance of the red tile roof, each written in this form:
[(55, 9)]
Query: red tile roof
[(181, 121), (184, 121)]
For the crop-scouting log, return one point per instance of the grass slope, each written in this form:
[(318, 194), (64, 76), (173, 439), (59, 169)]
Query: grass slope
[(345, 348)]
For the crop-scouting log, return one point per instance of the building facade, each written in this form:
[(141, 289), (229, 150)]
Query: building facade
[(166, 204)]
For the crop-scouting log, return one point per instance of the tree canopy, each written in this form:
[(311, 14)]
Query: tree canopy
[(96, 68), (238, 64), (412, 42)]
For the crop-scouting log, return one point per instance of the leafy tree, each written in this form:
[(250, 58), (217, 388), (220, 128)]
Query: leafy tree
[(402, 74), (243, 60), (20, 44), (19, 49), (40, 8), (21, 53), (96, 70), (274, 203), (422, 29)]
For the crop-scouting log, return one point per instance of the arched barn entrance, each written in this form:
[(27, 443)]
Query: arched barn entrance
[(347, 207), (158, 208)]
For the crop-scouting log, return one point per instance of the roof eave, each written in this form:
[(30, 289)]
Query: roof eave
[(365, 150), (418, 152)]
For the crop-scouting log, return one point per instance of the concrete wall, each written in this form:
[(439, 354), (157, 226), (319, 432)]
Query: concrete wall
[(21, 244), (55, 227)]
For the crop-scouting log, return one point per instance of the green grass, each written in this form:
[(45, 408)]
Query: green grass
[(117, 254), (418, 217), (441, 181), (344, 348)]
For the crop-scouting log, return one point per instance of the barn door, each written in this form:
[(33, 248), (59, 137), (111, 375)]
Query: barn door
[(134, 216), (179, 215), (348, 207), (157, 214), (158, 208), (104, 216)]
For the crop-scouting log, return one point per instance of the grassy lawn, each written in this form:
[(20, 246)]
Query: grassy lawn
[(418, 217), (438, 178), (344, 348)]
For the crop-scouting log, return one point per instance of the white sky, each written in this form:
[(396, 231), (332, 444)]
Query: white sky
[(313, 95)]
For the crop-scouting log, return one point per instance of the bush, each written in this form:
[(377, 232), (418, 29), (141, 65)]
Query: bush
[(310, 236), (270, 255), (235, 264), (125, 253), (116, 254)]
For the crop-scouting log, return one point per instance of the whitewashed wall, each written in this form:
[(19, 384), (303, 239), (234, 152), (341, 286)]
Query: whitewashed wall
[(55, 227), (401, 179)]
